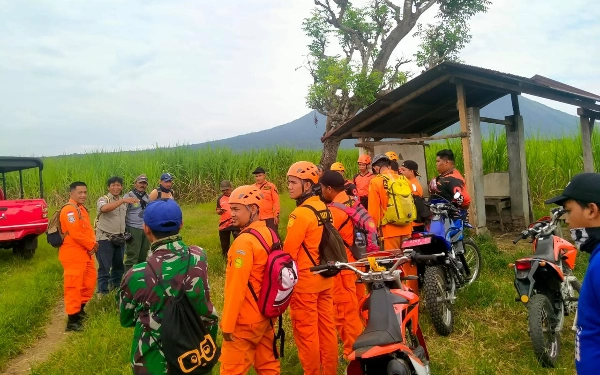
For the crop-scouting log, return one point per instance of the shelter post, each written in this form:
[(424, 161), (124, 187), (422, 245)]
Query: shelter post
[(473, 159), (517, 171), (587, 129)]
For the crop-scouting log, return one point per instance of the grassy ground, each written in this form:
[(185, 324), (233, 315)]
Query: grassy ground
[(490, 334), (28, 291)]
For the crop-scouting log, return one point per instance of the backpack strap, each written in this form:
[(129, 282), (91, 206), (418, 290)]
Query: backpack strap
[(342, 207), (322, 222), (264, 244)]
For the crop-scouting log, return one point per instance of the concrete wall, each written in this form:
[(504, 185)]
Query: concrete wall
[(409, 152)]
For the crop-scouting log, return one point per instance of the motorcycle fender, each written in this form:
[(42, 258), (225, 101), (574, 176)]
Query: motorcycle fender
[(524, 285), (417, 365), (378, 351)]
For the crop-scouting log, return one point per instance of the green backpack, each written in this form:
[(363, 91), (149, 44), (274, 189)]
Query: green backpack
[(401, 209)]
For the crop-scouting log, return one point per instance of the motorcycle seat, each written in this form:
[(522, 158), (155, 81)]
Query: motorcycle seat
[(383, 327), (545, 250)]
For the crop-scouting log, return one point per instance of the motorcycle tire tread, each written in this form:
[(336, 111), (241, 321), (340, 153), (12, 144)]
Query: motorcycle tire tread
[(535, 306), (434, 307)]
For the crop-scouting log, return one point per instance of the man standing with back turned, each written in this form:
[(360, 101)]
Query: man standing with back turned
[(75, 255)]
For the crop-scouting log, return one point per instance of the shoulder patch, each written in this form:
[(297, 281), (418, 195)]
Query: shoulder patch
[(266, 187), (241, 252), (291, 221), (238, 263)]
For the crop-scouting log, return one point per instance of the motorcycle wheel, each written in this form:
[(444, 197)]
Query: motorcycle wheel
[(398, 366), (542, 321), (438, 299), (471, 260)]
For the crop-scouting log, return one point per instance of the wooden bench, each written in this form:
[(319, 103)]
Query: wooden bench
[(496, 187)]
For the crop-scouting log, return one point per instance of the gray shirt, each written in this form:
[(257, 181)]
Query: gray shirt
[(112, 222), (135, 213)]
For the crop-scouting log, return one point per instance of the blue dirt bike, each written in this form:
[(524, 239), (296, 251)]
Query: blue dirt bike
[(457, 266)]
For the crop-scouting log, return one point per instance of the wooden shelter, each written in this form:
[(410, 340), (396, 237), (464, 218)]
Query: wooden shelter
[(453, 92)]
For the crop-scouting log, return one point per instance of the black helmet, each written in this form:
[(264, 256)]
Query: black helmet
[(380, 157)]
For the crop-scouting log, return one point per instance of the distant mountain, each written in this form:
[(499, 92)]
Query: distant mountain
[(303, 133)]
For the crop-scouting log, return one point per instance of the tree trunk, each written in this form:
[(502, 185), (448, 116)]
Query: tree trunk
[(330, 151)]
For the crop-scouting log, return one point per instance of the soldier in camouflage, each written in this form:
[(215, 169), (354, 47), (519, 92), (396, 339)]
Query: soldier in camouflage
[(141, 298)]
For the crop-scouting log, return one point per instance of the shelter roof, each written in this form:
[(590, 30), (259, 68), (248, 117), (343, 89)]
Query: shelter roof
[(16, 163), (426, 104)]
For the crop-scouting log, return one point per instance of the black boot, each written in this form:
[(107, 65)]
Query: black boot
[(74, 323), (82, 313)]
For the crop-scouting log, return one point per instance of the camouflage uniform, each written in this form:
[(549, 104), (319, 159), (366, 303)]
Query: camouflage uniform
[(141, 298)]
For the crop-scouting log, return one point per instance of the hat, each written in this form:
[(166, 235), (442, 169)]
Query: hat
[(163, 215), (225, 184), (380, 157), (333, 179), (412, 165), (258, 171), (583, 187), (166, 177), (141, 178)]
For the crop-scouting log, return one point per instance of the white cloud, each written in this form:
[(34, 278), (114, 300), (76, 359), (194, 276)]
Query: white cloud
[(79, 76)]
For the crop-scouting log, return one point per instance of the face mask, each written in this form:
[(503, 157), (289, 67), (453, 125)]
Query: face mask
[(586, 239)]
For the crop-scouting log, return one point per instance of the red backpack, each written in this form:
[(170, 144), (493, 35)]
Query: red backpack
[(365, 231), (281, 275)]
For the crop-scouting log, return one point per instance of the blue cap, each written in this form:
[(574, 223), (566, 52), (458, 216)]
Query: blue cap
[(166, 177), (163, 215)]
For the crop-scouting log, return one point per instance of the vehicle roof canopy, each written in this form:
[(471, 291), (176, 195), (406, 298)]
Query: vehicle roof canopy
[(17, 163)]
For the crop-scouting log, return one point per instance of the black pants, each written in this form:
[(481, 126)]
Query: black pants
[(365, 202), (271, 224), (225, 238)]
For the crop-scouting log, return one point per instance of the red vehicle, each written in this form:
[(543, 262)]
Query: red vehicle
[(21, 220), (546, 285), (392, 342)]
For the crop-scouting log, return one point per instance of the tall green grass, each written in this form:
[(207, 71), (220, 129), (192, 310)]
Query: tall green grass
[(551, 163)]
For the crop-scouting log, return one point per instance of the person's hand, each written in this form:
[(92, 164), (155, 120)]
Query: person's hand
[(131, 200), (94, 249), (227, 336), (276, 220)]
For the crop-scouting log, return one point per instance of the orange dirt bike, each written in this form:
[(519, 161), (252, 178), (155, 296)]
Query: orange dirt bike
[(392, 342), (546, 285)]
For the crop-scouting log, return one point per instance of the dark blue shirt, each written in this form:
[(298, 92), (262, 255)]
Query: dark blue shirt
[(587, 339)]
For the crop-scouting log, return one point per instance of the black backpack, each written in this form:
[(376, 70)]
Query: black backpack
[(331, 247), (186, 343)]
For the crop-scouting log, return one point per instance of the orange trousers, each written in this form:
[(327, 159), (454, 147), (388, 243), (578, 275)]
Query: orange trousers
[(347, 321), (79, 282), (314, 332), (410, 269), (252, 345)]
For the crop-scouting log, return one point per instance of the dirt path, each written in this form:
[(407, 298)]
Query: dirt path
[(41, 350)]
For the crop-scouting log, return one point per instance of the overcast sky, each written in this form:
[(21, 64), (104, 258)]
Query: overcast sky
[(79, 76)]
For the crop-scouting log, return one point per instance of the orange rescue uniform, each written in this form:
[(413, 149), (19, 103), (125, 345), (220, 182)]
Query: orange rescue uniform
[(345, 301), (253, 333), (311, 306), (79, 269), (378, 201), (362, 183), (270, 206)]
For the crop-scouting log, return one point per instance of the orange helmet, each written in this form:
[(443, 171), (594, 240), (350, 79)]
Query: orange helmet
[(304, 170), (364, 159), (392, 155), (337, 166), (246, 195)]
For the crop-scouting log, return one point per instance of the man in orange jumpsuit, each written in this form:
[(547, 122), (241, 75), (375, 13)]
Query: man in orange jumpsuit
[(270, 209), (362, 179), (76, 255), (247, 334), (378, 201), (311, 305), (349, 186), (345, 301)]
